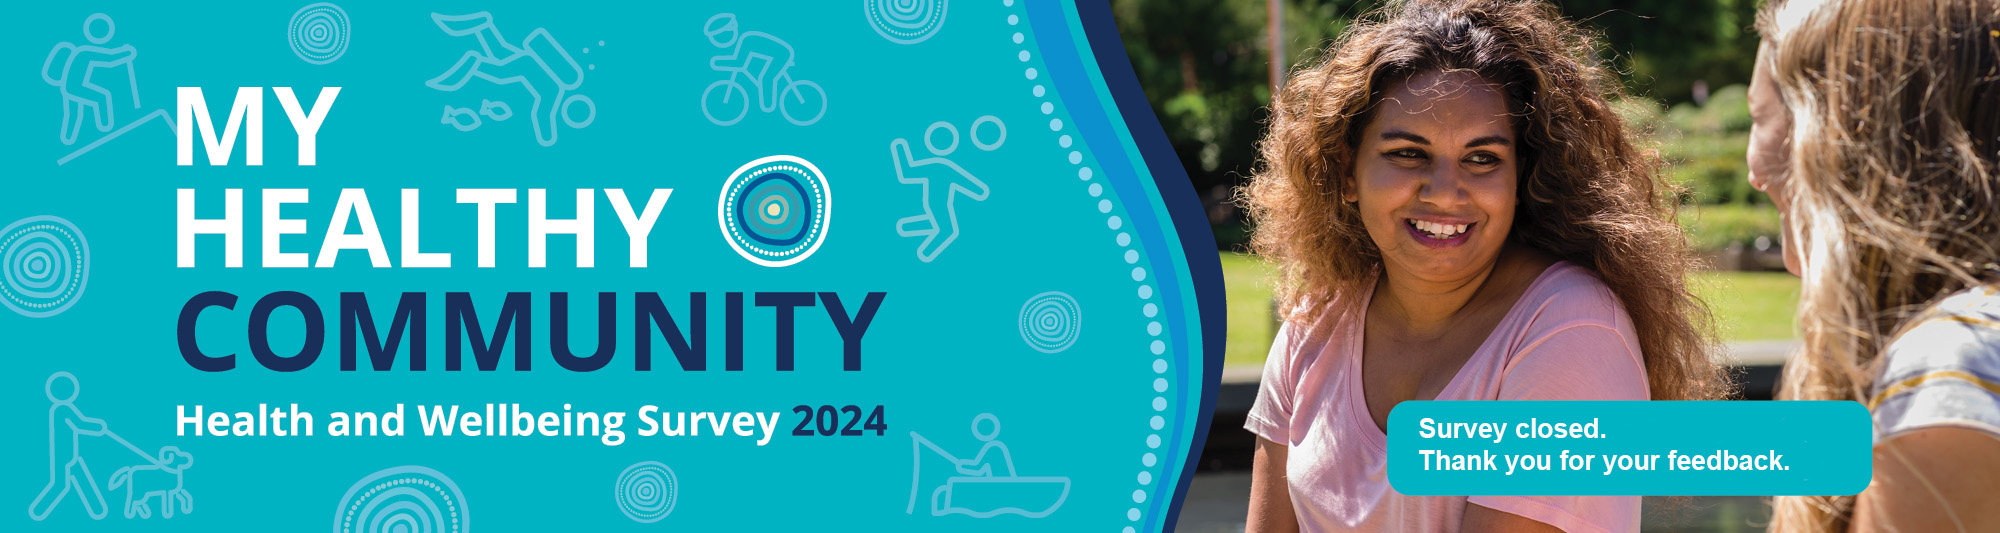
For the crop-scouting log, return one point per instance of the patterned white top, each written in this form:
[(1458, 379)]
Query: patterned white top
[(1944, 370)]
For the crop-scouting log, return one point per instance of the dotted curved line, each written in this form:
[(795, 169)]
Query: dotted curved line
[(729, 206), (876, 12), (1131, 255), (667, 495), (348, 520), (69, 289), (1066, 308)]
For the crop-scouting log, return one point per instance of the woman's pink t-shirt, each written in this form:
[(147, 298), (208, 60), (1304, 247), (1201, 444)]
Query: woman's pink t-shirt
[(1567, 338)]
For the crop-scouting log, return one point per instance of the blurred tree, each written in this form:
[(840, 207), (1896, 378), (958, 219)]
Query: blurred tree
[(1204, 66), (1204, 71), (1662, 47)]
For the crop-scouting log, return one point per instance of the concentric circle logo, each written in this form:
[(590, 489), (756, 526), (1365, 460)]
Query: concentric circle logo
[(319, 33), (775, 211), (905, 21), (44, 266), (646, 491), (1051, 321), (403, 499)]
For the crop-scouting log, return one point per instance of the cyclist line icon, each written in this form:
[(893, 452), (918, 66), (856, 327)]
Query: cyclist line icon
[(766, 62)]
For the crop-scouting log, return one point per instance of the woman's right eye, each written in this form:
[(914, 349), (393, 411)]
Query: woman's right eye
[(1406, 153)]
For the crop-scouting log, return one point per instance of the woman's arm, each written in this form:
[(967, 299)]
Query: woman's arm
[(1270, 497), (1933, 479)]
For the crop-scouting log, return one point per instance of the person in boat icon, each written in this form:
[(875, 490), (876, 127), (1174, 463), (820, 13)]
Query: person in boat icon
[(985, 485)]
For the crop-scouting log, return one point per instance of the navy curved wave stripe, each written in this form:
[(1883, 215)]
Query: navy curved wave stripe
[(805, 221), (1093, 123), (1176, 191)]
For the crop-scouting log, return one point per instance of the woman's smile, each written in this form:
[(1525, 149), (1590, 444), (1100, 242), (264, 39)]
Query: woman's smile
[(1439, 233)]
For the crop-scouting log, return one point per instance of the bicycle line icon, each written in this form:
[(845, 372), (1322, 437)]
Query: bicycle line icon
[(766, 62)]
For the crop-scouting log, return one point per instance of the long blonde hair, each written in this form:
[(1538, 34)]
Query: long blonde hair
[(1895, 108), (1587, 193)]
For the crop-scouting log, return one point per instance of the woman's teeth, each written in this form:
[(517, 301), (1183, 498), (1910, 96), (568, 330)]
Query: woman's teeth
[(1436, 230)]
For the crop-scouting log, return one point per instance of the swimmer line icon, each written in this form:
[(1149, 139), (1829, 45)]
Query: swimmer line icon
[(538, 65)]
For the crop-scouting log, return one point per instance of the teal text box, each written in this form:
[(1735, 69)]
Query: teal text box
[(1658, 448)]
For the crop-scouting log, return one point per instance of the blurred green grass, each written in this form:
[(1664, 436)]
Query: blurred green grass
[(1747, 305), (1750, 306), (1248, 280)]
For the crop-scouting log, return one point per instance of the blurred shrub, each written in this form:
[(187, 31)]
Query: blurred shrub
[(1727, 111), (1707, 147), (1717, 226)]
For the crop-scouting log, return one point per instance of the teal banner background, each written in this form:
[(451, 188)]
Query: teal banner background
[(1825, 447), (1101, 391)]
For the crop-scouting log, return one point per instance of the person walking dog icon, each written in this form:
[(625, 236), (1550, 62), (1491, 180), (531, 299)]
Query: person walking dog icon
[(67, 471)]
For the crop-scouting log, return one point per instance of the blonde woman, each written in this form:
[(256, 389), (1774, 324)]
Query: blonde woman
[(1459, 214), (1877, 134)]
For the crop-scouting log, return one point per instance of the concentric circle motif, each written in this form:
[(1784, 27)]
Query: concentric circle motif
[(1050, 322), (44, 266), (319, 33), (404, 499), (646, 491), (905, 21), (775, 211)]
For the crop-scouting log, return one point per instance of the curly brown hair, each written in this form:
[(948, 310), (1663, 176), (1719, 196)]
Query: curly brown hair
[(1587, 195)]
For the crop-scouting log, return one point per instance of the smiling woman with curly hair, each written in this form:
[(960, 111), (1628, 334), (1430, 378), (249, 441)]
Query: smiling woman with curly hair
[(1459, 214)]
